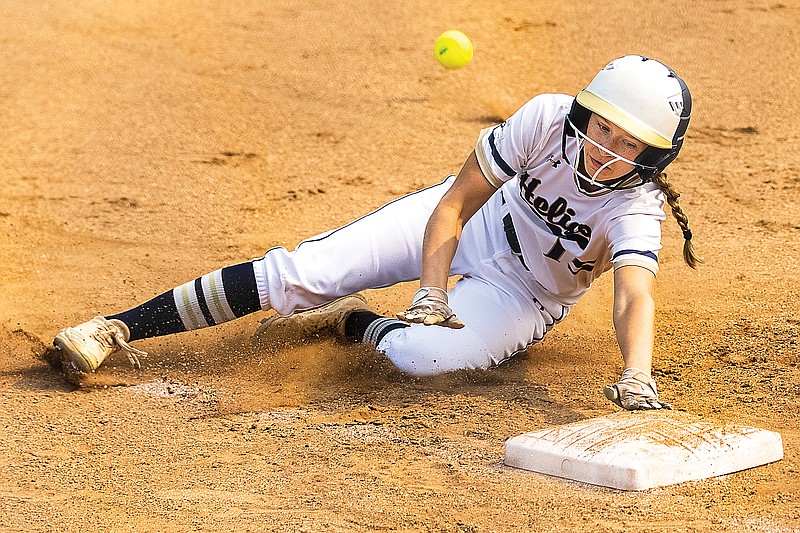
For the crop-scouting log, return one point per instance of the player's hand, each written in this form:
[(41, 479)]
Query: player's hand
[(429, 307), (635, 390)]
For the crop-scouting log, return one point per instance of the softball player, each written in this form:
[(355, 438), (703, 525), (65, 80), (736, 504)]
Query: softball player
[(563, 191)]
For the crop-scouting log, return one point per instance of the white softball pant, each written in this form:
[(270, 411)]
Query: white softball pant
[(494, 298)]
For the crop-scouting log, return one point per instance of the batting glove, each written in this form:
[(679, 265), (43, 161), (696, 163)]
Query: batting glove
[(635, 390), (429, 307)]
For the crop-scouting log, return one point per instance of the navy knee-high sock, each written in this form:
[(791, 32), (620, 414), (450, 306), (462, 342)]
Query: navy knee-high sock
[(369, 327), (209, 300)]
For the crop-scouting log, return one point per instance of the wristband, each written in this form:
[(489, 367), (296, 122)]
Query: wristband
[(434, 293)]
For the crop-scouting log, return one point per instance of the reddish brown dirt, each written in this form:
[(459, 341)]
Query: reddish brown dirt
[(147, 143)]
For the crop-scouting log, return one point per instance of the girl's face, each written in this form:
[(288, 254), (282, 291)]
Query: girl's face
[(614, 139)]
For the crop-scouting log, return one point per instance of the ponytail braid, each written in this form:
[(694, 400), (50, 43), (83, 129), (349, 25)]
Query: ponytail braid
[(672, 195)]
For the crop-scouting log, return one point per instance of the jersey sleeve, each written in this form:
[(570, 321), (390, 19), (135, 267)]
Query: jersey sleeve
[(503, 151), (634, 233)]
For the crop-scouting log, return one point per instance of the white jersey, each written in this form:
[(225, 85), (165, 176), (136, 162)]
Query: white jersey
[(568, 235)]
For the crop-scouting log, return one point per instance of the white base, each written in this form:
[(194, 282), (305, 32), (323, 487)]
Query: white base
[(642, 450)]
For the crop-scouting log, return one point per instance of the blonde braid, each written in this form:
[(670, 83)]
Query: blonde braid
[(672, 195)]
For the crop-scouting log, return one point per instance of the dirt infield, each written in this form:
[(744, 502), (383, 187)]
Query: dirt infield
[(147, 143)]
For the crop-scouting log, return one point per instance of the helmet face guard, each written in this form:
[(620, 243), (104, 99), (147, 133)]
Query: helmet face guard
[(647, 100), (640, 174)]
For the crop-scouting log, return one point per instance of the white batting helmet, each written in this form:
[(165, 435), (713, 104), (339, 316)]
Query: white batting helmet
[(646, 99)]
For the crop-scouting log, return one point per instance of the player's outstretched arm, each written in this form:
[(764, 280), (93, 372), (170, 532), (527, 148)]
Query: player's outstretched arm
[(634, 317), (465, 197)]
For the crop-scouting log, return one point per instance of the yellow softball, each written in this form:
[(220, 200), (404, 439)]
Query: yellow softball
[(453, 49)]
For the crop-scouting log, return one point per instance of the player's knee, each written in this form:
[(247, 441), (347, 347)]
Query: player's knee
[(425, 351), (288, 281)]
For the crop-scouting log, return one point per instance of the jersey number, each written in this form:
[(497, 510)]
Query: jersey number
[(575, 266)]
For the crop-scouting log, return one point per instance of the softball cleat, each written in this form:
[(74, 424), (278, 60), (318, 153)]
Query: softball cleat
[(87, 345), (328, 319)]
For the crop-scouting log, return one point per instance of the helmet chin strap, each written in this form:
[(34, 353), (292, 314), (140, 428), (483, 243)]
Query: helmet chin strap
[(623, 182)]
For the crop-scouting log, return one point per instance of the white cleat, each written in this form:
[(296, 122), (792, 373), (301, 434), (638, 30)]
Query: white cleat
[(330, 318), (87, 345)]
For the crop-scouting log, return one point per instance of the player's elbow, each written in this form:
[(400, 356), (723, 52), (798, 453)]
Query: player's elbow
[(632, 305)]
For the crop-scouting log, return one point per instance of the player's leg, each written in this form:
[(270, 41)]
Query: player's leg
[(499, 322), (379, 249)]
